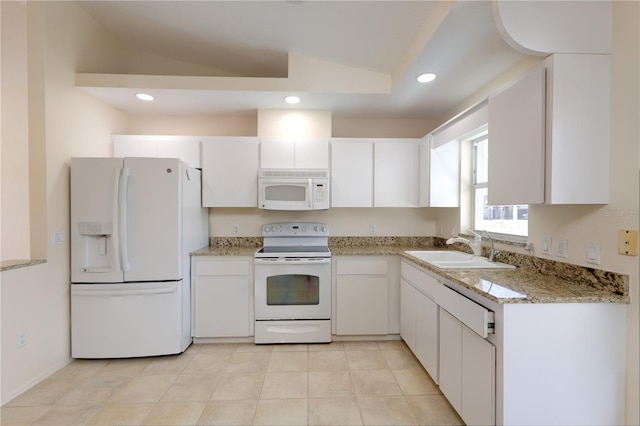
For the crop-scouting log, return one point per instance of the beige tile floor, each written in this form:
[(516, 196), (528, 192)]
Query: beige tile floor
[(342, 383)]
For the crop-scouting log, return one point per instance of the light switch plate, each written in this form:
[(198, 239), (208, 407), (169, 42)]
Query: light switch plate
[(546, 245), (593, 253), (628, 242), (563, 248)]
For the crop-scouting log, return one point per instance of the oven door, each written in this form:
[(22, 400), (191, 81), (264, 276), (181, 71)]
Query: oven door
[(292, 288)]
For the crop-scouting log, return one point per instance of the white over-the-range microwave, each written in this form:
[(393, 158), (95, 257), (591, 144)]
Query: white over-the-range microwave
[(293, 189)]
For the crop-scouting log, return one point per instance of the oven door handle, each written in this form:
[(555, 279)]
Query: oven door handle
[(293, 261)]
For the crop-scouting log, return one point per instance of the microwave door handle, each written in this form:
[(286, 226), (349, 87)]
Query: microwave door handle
[(310, 193)]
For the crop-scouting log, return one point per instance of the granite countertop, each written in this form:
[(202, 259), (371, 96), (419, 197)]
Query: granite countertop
[(534, 280)]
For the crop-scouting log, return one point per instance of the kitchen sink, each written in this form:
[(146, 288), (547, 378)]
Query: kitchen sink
[(450, 259)]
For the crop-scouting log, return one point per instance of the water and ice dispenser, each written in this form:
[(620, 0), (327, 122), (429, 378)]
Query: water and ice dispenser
[(98, 247)]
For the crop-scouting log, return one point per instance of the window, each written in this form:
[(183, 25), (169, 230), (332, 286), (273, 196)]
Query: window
[(508, 219)]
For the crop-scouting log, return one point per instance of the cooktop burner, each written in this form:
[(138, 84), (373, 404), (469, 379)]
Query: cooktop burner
[(295, 239)]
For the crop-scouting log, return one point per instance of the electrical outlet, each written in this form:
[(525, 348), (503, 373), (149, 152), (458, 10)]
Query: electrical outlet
[(22, 339), (372, 229), (529, 249), (236, 229), (58, 237), (441, 232), (563, 248)]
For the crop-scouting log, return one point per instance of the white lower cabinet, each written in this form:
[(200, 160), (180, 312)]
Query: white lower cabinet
[(222, 302), (419, 326), (362, 296), (467, 371)]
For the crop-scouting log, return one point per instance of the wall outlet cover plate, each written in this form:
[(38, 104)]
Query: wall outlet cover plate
[(628, 242)]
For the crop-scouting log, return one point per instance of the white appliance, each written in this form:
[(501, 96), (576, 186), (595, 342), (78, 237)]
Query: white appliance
[(293, 284), (293, 189), (133, 223)]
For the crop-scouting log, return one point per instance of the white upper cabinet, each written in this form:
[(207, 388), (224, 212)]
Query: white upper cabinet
[(575, 121), (351, 173), (516, 142), (374, 172), (578, 125), (298, 153), (230, 172), (444, 174), (186, 148), (396, 172)]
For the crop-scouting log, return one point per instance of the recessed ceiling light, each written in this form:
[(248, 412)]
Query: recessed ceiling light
[(427, 77), (144, 97), (292, 99)]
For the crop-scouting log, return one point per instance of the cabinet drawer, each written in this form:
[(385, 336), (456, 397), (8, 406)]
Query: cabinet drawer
[(422, 281), (362, 267), (474, 316), (222, 267)]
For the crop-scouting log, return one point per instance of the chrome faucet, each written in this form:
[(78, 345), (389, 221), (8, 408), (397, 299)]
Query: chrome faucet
[(476, 245), (493, 252)]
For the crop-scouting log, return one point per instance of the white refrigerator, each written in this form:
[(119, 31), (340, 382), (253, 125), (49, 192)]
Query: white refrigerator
[(134, 222)]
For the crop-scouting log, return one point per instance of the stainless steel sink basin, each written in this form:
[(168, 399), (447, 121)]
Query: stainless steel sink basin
[(456, 260)]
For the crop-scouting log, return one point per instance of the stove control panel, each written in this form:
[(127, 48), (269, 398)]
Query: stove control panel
[(290, 229)]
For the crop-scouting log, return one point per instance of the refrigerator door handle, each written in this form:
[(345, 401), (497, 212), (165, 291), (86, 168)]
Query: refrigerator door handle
[(115, 237), (122, 203)]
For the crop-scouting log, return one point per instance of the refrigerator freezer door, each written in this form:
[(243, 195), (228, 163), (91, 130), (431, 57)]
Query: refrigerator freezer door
[(95, 253), (152, 219), (126, 320)]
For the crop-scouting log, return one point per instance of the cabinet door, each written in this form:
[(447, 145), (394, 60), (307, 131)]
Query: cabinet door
[(311, 154), (134, 146), (516, 142), (478, 379), (451, 359), (362, 305), (186, 149), (230, 172), (444, 171), (277, 154), (222, 306), (351, 174), (426, 347), (396, 173), (408, 314)]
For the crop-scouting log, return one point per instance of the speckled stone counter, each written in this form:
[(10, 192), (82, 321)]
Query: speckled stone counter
[(535, 280), (7, 265)]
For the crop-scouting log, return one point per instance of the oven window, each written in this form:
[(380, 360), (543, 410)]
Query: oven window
[(293, 290), (285, 193)]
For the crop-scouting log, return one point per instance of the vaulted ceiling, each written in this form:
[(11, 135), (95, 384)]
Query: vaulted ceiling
[(355, 58)]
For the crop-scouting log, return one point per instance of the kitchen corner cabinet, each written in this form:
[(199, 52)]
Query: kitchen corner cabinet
[(576, 124), (186, 148), (362, 295), (230, 172), (294, 154), (222, 301)]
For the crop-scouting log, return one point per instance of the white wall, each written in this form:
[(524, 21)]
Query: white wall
[(15, 133), (36, 299)]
